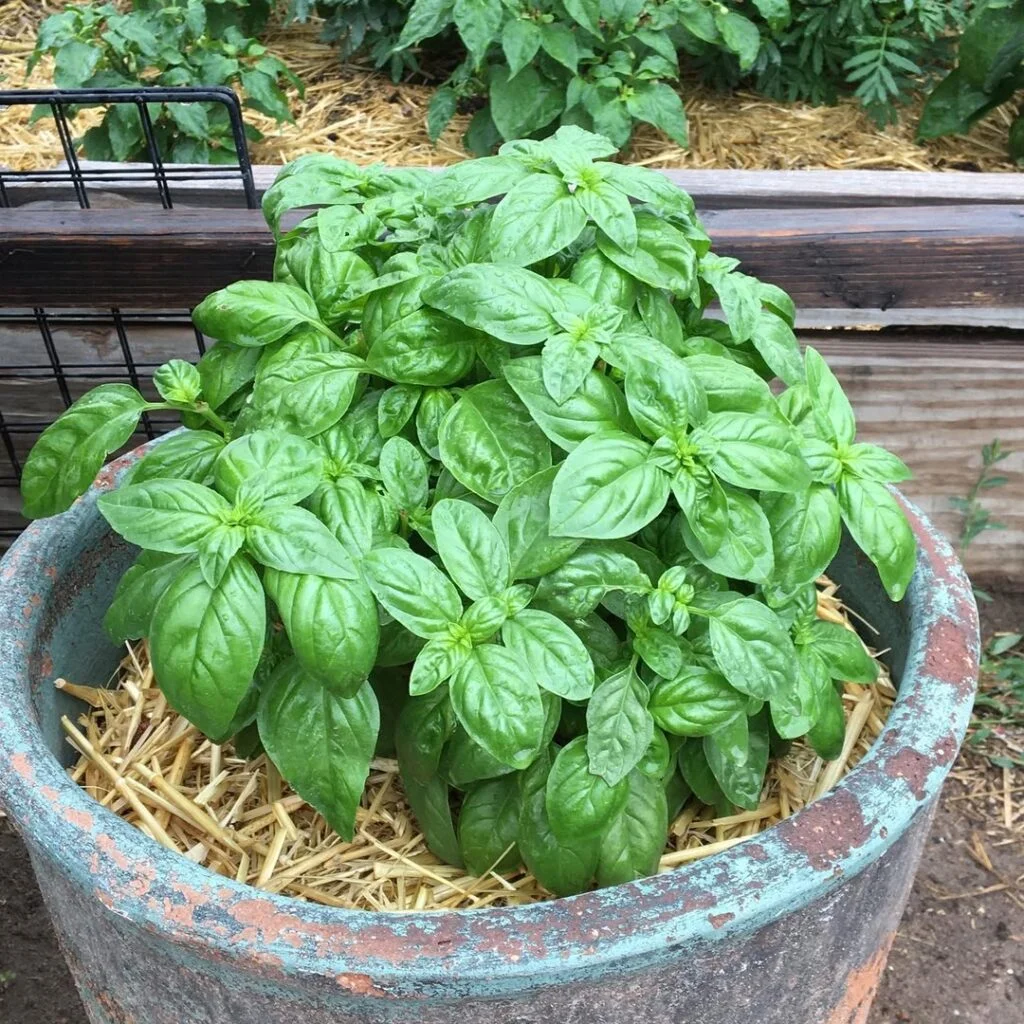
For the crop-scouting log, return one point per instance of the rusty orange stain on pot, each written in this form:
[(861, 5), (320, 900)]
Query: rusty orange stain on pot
[(861, 987)]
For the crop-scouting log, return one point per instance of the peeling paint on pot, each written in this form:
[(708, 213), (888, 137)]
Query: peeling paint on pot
[(792, 926)]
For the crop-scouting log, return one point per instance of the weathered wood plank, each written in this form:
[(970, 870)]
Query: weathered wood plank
[(712, 190), (882, 259)]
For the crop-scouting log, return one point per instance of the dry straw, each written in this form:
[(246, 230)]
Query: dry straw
[(356, 112), (146, 763)]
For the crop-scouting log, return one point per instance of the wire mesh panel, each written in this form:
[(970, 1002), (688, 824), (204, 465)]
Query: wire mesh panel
[(51, 356)]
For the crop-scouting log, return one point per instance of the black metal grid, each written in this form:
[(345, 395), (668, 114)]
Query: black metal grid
[(50, 357)]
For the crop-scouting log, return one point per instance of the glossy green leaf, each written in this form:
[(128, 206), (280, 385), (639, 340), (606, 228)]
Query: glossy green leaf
[(255, 313), (553, 654), (696, 702), (413, 590), (489, 826), (471, 548), (752, 648), (619, 726)]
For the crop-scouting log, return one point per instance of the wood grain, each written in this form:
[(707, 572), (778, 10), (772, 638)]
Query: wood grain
[(865, 259)]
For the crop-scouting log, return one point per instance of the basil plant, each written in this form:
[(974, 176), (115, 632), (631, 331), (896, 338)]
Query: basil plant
[(476, 482)]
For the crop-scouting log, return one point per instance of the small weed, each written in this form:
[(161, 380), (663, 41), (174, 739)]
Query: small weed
[(999, 705), (976, 518)]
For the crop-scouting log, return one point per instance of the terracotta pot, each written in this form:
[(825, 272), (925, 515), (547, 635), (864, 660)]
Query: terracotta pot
[(791, 926)]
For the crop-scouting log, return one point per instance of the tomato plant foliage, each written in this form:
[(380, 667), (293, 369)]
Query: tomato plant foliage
[(479, 435)]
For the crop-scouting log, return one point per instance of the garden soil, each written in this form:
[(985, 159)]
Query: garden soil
[(958, 957)]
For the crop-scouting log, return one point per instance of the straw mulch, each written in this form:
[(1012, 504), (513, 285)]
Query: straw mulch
[(358, 113), (146, 763)]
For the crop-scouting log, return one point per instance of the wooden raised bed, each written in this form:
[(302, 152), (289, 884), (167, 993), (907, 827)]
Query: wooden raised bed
[(910, 284)]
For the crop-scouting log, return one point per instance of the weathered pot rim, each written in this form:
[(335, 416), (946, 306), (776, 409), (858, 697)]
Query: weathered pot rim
[(409, 953)]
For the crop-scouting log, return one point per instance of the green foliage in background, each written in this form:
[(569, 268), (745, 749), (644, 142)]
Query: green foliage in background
[(190, 42), (989, 71)]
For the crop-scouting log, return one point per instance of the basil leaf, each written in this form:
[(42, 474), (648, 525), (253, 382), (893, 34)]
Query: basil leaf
[(705, 508), (164, 515), (563, 866), (489, 826), (831, 408), (611, 211), (225, 369), (321, 741), (537, 218), (130, 614), (752, 648), (602, 279), (552, 652), (424, 347), (396, 408), (510, 304), (471, 548), (580, 803), (873, 463), (205, 643), (696, 702), (607, 488), (775, 341), (663, 395), (424, 725), (332, 626), (565, 365), (843, 653), (658, 649), (499, 705), (275, 469), (523, 522), (795, 714), (349, 511), (619, 726), (404, 473), (578, 586), (745, 551), (806, 531), (829, 731), (632, 844), (186, 456), (255, 313), (467, 184), (730, 386), (307, 394), (697, 774), (741, 782), (433, 408), (664, 256), (294, 540), (414, 591), (489, 443), (597, 405), (750, 451), (64, 461), (436, 663), (877, 523)]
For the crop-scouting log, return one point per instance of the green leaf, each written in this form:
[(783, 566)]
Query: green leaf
[(579, 585), (130, 614), (520, 41), (523, 103), (320, 741), (580, 803), (436, 663), (829, 731), (565, 364), (76, 63), (432, 410), (442, 108), (607, 488), (424, 725), (880, 528), (332, 626), (752, 648), (205, 643), (489, 443), (499, 705), (559, 43), (607, 283), (423, 347), (65, 460), (471, 548), (191, 118), (523, 521), (843, 653), (508, 303), (741, 782), (473, 181), (696, 771), (308, 393), (632, 844), (552, 652), (349, 511), (775, 341), (597, 405), (619, 726), (664, 256), (705, 506), (254, 313), (489, 826), (164, 515), (275, 469), (663, 395), (404, 473), (225, 369), (293, 540), (479, 24), (659, 104), (696, 702), (396, 407), (832, 411), (425, 19), (537, 218), (186, 456), (740, 34), (873, 463), (776, 12), (751, 451), (413, 590), (806, 531), (563, 866), (745, 551)]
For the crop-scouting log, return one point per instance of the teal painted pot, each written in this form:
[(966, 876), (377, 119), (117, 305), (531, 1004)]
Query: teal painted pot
[(791, 926)]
